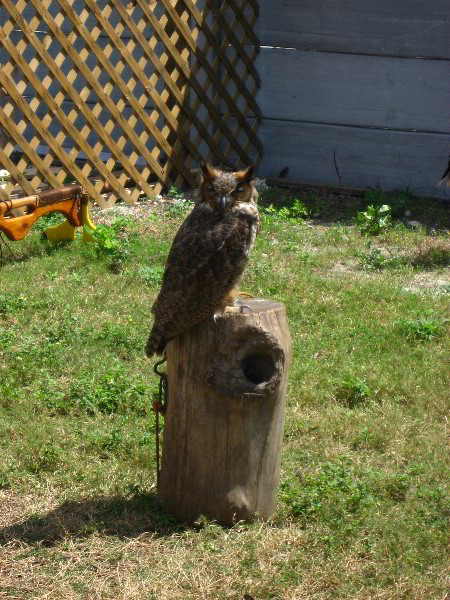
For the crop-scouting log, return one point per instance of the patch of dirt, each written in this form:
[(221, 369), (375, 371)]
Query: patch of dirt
[(141, 210), (429, 282), (348, 269), (434, 283)]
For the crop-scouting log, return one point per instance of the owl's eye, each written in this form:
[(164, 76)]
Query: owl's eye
[(210, 188), (239, 190)]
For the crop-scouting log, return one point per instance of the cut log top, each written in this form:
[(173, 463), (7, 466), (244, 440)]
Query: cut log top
[(240, 354), (257, 305)]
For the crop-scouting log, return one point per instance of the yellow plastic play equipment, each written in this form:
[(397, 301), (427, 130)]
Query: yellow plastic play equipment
[(67, 231), (18, 215)]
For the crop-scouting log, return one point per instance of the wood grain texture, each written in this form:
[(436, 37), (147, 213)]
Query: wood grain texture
[(16, 228), (347, 89), (223, 426), (387, 28), (365, 157)]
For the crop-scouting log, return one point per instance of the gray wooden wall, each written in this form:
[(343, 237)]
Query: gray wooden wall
[(356, 92)]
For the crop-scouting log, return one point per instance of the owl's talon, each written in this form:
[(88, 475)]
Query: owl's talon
[(236, 307), (241, 306)]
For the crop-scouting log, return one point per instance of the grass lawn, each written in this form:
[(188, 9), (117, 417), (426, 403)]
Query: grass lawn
[(363, 505)]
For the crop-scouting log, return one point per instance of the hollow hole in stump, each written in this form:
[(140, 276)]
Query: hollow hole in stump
[(258, 368)]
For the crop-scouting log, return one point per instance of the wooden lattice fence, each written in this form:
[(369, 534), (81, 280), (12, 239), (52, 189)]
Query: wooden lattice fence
[(113, 92)]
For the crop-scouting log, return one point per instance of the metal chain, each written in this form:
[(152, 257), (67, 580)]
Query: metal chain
[(3, 241), (159, 407)]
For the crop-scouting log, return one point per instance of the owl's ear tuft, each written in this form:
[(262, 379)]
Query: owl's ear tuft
[(206, 171), (246, 175)]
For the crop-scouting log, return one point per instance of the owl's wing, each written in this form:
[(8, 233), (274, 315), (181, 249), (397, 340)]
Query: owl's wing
[(204, 262)]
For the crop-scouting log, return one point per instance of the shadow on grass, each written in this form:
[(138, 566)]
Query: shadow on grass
[(118, 516), (34, 246)]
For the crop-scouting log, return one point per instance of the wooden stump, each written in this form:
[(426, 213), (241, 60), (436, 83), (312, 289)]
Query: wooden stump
[(223, 425)]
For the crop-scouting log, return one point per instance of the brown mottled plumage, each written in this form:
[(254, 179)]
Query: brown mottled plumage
[(208, 255)]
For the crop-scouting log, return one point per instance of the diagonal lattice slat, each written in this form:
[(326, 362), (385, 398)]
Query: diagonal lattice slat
[(110, 91)]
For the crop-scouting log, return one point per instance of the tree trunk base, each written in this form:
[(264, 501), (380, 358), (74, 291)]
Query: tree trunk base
[(223, 425)]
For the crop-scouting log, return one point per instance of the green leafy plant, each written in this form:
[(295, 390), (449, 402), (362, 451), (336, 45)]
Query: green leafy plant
[(423, 327), (374, 259), (298, 210), (179, 207), (108, 443), (45, 458), (6, 336), (48, 220), (352, 391), (10, 302), (396, 487), (113, 393), (369, 439), (175, 192), (151, 274), (328, 494), (374, 220), (107, 243)]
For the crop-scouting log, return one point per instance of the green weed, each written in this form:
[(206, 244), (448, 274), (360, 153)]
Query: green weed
[(296, 211), (175, 192), (369, 439), (117, 337), (396, 486), (179, 208), (352, 391), (48, 220), (423, 327), (11, 302), (106, 243), (151, 275), (374, 219), (43, 459), (329, 494), (114, 392), (374, 259)]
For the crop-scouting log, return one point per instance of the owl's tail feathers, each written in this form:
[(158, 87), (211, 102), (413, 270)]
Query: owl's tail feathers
[(156, 342)]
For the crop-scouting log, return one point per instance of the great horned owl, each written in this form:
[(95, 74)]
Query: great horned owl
[(208, 255)]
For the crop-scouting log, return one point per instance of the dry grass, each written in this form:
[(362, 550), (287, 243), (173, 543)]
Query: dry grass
[(168, 565), (432, 253)]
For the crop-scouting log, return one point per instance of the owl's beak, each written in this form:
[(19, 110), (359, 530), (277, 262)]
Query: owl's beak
[(223, 202)]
